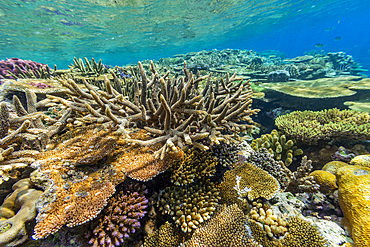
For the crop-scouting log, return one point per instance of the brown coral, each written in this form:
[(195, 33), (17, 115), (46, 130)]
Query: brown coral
[(225, 229), (195, 164), (166, 236)]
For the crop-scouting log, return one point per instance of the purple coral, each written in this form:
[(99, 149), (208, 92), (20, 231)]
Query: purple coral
[(40, 85), (121, 218), (13, 68)]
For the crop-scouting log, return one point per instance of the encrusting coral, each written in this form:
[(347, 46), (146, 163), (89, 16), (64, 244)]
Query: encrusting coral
[(311, 126), (18, 208), (189, 205), (278, 145), (194, 164), (247, 181), (227, 228), (121, 218)]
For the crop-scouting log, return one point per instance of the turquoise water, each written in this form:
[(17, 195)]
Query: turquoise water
[(126, 31)]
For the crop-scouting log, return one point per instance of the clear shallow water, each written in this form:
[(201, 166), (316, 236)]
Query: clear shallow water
[(124, 31)]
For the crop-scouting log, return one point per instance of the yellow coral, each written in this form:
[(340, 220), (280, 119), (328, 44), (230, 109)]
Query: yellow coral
[(249, 181), (361, 160), (333, 166), (354, 191), (326, 180)]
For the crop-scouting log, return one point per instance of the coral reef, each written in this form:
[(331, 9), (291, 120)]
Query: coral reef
[(354, 186), (227, 228), (195, 164), (121, 218), (361, 160), (326, 180), (167, 236), (247, 181), (278, 145), (13, 68), (89, 68), (311, 126), (18, 208), (189, 205)]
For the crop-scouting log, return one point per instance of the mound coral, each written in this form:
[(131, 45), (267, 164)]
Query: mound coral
[(311, 126), (17, 209), (189, 205), (278, 145), (247, 181), (225, 229), (166, 236), (13, 68), (326, 180), (121, 218), (361, 160), (354, 188)]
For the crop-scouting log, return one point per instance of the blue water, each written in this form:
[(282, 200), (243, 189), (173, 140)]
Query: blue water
[(124, 31)]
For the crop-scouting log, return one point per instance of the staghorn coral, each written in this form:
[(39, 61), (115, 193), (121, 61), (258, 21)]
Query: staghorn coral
[(16, 210), (89, 68), (247, 181), (13, 68), (300, 233), (175, 111), (166, 236), (309, 127), (194, 164), (354, 187), (278, 145), (121, 218), (189, 205), (225, 229)]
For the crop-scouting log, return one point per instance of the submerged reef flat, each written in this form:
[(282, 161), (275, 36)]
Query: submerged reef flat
[(175, 153)]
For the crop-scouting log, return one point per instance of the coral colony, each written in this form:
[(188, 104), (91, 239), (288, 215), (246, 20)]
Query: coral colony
[(168, 153)]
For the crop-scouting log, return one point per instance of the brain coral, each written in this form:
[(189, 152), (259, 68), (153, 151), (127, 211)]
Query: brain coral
[(361, 160), (354, 191), (326, 180), (225, 229), (121, 217), (311, 126)]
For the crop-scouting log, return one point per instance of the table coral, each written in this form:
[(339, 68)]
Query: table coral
[(189, 205), (225, 229), (17, 209), (277, 144), (309, 127), (121, 218), (194, 164), (354, 189)]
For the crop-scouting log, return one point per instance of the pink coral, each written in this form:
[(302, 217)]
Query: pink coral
[(13, 68)]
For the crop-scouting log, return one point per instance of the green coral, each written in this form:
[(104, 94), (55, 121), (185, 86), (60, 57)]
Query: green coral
[(278, 145), (309, 127), (89, 67)]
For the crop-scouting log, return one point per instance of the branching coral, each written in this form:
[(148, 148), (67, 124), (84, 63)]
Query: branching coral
[(14, 68), (189, 205), (175, 111), (12, 223), (89, 68), (309, 126), (121, 218), (278, 145), (225, 229), (194, 164)]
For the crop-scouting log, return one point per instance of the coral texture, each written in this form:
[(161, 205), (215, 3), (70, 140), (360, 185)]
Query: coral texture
[(278, 145), (121, 218), (225, 229), (189, 205), (311, 126), (13, 68), (361, 160), (354, 188), (326, 180), (167, 236)]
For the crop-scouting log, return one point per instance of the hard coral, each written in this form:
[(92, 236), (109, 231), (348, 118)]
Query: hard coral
[(326, 180), (354, 187), (194, 164), (309, 126), (13, 68), (17, 209), (225, 229), (189, 205), (121, 218), (166, 236), (278, 145)]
